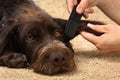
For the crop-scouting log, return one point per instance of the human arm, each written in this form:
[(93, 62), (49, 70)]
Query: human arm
[(111, 9)]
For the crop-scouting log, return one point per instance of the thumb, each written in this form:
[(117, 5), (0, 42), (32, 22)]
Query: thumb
[(90, 37)]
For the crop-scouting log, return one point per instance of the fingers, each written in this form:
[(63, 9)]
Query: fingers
[(87, 12), (85, 15), (90, 37), (98, 28), (70, 4), (82, 6), (93, 38)]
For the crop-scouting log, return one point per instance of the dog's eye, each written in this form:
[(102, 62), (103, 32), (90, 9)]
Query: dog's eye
[(29, 37), (57, 34)]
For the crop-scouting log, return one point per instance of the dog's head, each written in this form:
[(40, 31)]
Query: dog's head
[(45, 44)]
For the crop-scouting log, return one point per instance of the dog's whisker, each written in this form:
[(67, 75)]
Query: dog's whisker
[(49, 70), (46, 68)]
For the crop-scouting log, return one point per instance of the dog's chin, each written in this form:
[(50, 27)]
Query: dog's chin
[(50, 69)]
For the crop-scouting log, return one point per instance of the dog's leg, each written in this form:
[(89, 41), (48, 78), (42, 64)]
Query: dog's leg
[(6, 32), (13, 60)]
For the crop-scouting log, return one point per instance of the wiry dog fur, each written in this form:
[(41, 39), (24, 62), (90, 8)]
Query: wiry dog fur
[(31, 37)]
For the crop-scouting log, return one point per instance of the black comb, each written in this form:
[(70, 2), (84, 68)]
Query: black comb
[(72, 23)]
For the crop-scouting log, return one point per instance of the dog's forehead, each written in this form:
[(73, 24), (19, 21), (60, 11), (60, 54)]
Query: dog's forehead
[(38, 26), (28, 26)]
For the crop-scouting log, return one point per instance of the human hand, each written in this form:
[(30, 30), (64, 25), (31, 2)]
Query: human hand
[(84, 6), (107, 42)]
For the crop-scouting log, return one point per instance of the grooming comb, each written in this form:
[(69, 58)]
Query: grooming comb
[(72, 23)]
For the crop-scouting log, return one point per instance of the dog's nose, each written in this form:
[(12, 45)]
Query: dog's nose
[(57, 59)]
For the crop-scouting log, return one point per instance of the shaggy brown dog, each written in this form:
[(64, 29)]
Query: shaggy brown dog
[(30, 37)]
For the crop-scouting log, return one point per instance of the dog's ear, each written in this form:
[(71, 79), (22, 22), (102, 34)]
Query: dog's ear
[(6, 32), (82, 26)]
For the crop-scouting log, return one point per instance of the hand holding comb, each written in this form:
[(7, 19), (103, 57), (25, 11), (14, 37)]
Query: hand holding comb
[(72, 23)]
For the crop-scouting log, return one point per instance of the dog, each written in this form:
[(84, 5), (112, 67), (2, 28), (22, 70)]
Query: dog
[(30, 37)]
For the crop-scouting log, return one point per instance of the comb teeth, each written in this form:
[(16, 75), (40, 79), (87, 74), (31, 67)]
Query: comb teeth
[(72, 23)]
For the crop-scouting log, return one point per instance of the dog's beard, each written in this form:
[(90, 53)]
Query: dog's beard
[(43, 63), (50, 69)]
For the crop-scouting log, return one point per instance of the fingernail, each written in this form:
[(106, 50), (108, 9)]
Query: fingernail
[(70, 10), (89, 24)]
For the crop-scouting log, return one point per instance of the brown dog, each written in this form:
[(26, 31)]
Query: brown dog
[(30, 37)]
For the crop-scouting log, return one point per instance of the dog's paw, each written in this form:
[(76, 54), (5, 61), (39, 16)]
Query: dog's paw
[(15, 61)]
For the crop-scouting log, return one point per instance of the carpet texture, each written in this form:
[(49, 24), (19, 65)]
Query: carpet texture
[(90, 64)]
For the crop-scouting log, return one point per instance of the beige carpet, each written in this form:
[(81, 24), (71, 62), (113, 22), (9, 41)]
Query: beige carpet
[(90, 64)]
